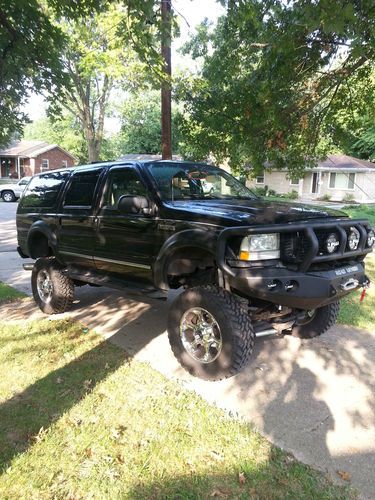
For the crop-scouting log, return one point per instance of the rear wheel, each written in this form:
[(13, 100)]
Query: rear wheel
[(52, 290), (8, 196), (316, 321), (210, 333)]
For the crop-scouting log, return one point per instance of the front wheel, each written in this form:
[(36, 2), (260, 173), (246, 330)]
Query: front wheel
[(52, 290), (210, 333), (8, 196), (316, 321)]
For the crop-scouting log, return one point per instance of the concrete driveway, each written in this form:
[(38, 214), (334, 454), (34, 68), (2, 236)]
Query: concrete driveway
[(313, 398)]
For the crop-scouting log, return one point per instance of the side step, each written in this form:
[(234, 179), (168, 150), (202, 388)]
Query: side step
[(100, 279)]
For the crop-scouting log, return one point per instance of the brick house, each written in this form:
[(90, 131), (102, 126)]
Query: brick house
[(25, 158)]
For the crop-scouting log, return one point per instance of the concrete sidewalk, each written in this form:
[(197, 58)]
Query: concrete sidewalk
[(313, 398)]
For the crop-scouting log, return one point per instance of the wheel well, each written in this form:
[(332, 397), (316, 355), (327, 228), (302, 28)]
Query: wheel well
[(39, 246), (188, 262)]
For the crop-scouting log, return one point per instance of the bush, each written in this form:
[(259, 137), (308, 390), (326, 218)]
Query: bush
[(348, 198), (325, 197), (260, 191), (293, 195)]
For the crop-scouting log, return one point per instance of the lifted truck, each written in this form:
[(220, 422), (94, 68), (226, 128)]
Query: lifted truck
[(248, 267)]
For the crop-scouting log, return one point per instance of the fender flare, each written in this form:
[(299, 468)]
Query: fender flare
[(43, 228), (198, 238)]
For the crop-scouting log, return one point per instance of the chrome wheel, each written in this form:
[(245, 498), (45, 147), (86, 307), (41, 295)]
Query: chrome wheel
[(44, 286), (200, 335)]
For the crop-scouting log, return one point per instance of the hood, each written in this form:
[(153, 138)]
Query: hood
[(245, 212)]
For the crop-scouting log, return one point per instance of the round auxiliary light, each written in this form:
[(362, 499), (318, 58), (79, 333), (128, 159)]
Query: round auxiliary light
[(353, 238), (370, 238), (332, 243)]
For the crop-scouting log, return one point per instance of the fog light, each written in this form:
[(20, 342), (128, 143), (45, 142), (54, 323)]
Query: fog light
[(332, 243), (370, 238), (353, 238)]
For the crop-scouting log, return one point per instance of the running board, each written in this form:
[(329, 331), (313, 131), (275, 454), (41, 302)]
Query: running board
[(93, 277)]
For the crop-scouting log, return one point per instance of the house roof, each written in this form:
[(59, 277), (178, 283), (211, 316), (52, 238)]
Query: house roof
[(344, 162), (30, 149)]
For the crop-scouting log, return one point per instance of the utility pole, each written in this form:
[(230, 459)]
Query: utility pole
[(166, 98)]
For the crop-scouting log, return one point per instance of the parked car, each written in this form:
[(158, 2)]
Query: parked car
[(11, 192), (248, 267)]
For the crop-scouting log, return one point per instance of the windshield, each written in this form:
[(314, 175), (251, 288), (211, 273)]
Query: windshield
[(179, 181)]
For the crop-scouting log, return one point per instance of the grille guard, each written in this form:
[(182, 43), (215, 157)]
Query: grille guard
[(307, 228)]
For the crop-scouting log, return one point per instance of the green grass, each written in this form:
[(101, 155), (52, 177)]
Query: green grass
[(353, 312), (356, 313), (79, 419), (9, 293), (362, 212)]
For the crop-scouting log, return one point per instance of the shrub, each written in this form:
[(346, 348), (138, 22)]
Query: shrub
[(325, 197), (293, 195), (348, 198)]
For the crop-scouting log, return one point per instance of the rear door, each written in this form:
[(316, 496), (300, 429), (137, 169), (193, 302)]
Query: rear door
[(125, 243), (76, 219)]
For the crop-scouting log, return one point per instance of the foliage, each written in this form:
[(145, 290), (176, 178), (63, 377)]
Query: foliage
[(66, 132), (348, 198), (34, 43), (80, 419), (141, 124), (272, 71), (96, 61), (325, 197)]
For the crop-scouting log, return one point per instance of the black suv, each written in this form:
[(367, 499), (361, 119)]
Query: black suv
[(249, 267)]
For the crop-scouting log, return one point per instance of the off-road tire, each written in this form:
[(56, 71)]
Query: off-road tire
[(62, 287), (235, 325), (8, 196), (324, 318)]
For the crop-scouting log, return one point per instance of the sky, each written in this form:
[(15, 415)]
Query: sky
[(190, 13)]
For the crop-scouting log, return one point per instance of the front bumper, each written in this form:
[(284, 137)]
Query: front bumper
[(296, 289)]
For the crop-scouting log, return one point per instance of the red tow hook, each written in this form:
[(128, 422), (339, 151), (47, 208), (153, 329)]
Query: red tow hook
[(366, 285)]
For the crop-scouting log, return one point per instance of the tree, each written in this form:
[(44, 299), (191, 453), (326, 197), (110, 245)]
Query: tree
[(29, 54), (141, 125), (31, 45), (65, 132), (272, 73)]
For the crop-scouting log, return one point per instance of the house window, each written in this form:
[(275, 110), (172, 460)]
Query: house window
[(294, 181), (341, 181), (260, 178), (64, 163), (45, 165)]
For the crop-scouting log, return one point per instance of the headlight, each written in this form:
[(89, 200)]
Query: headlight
[(332, 242), (370, 238), (353, 238), (260, 247)]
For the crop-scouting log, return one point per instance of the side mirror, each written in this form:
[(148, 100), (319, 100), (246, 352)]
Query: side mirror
[(132, 204)]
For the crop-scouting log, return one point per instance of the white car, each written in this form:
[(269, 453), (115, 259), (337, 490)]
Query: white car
[(11, 192)]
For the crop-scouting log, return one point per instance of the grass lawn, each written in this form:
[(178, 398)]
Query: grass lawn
[(79, 419), (9, 293)]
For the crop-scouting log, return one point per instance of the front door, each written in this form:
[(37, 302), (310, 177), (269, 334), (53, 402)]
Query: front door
[(76, 219), (125, 242), (315, 183)]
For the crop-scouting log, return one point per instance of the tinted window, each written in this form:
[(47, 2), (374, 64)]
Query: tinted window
[(120, 183), (82, 188), (44, 190)]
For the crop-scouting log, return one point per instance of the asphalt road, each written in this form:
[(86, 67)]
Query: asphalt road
[(313, 398)]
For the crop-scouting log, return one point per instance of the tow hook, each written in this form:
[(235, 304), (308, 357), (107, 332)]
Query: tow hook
[(365, 287)]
